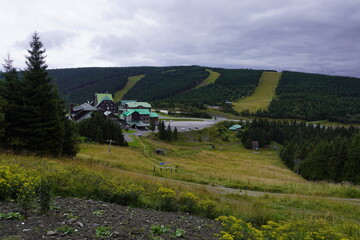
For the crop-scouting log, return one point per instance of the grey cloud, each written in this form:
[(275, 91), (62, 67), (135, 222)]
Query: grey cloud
[(50, 39), (313, 36), (114, 47), (56, 38)]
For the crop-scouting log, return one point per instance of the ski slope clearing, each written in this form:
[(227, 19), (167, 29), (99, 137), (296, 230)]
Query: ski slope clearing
[(263, 94)]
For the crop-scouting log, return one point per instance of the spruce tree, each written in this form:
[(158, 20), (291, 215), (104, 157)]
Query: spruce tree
[(168, 133), (2, 119), (161, 130), (11, 93), (152, 125), (175, 134), (71, 139), (42, 125), (352, 165)]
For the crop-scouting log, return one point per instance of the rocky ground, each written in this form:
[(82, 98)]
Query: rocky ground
[(87, 219)]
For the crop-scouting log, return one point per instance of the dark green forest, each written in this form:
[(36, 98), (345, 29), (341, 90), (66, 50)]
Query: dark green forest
[(167, 83), (317, 153), (79, 85), (316, 97), (231, 85)]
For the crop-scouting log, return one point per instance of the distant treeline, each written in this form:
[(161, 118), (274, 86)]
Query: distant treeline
[(317, 153), (316, 97)]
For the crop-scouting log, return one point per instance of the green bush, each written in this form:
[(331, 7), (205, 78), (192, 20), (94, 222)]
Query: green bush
[(207, 208), (166, 199), (188, 202)]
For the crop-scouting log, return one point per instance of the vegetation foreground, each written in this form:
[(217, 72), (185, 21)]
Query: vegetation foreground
[(126, 176)]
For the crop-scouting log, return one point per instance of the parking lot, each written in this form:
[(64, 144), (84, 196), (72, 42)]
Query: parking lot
[(181, 126)]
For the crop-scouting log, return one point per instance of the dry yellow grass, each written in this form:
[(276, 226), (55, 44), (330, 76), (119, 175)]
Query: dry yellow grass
[(263, 94), (234, 167), (130, 83), (121, 157)]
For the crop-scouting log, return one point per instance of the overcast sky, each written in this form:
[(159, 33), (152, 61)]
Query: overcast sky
[(321, 36)]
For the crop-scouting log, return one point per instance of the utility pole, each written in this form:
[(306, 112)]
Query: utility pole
[(110, 141)]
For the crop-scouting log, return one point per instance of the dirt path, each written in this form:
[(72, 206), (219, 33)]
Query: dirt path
[(225, 190)]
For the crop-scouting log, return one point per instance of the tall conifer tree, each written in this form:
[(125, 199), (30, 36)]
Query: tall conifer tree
[(2, 119), (11, 92), (42, 125)]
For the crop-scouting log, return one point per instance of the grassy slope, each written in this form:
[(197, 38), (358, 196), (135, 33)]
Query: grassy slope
[(234, 166), (210, 79), (130, 83), (250, 208), (262, 95)]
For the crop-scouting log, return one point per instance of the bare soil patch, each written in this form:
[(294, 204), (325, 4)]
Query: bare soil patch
[(88, 219)]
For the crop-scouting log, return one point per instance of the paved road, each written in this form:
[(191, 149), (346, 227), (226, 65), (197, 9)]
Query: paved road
[(182, 126)]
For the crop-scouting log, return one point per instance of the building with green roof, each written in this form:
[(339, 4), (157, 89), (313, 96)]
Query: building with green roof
[(104, 102), (137, 105), (139, 118), (235, 127), (99, 97)]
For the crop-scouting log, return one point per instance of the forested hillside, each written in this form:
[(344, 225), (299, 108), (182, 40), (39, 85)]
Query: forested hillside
[(231, 85), (163, 86), (299, 95), (167, 83), (316, 97), (80, 84)]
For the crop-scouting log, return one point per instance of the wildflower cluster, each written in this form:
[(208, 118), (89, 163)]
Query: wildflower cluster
[(50, 178), (18, 184), (122, 193), (237, 229), (186, 202), (166, 198), (81, 182)]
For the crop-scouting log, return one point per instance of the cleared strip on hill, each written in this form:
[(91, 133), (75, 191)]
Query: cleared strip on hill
[(263, 94), (210, 79), (130, 83)]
